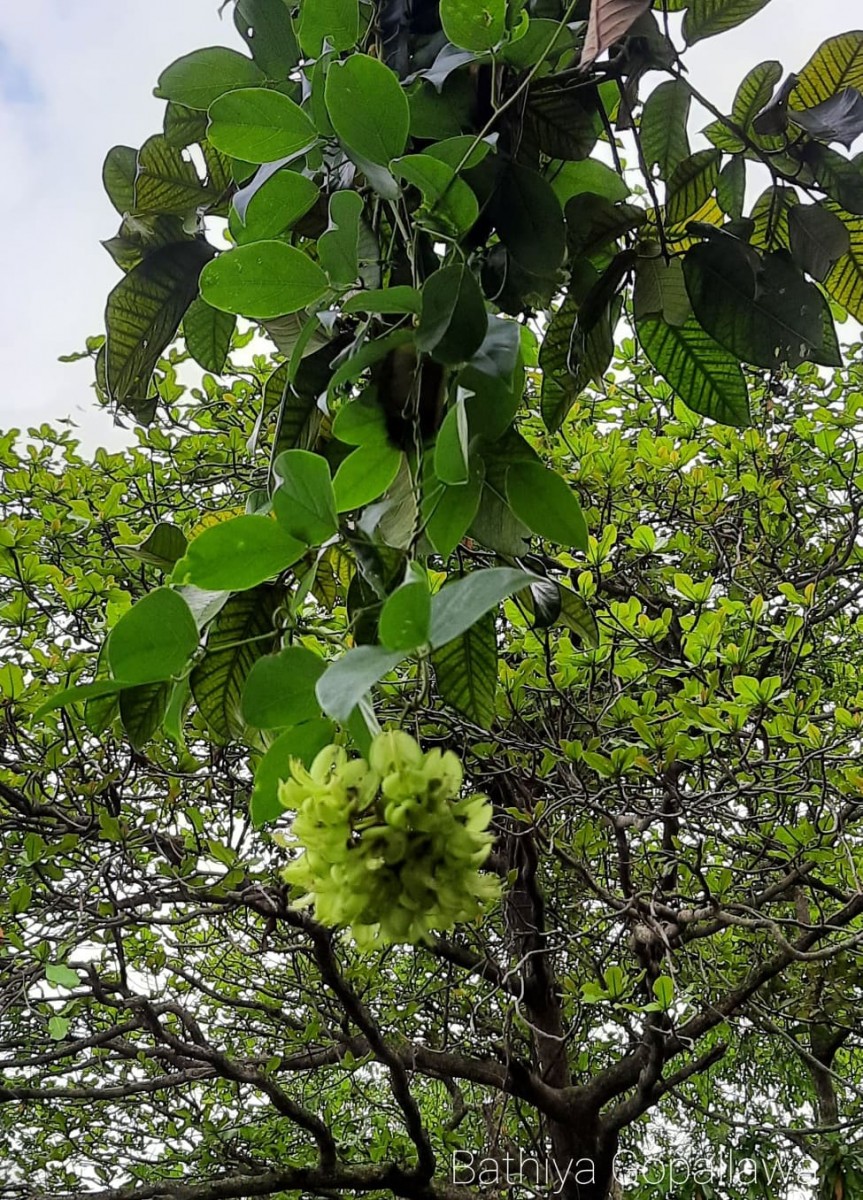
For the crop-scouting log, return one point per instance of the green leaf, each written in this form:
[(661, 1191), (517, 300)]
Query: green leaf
[(161, 548), (529, 220), (705, 18), (143, 710), (449, 205), (240, 634), (692, 181), (263, 279), (405, 617), (165, 181), (766, 317), (365, 475), (845, 281), (454, 321), (577, 616), (755, 92), (259, 125), (266, 28), (570, 179), (818, 238), (154, 640), (707, 378), (466, 671), (78, 694), (458, 605), (199, 78), (303, 742), (835, 65), (593, 221), (208, 334), (386, 301), (280, 689), (731, 187), (476, 25), (562, 119), (660, 289), (346, 681), (840, 178), (58, 1027), (304, 502), (449, 512), (118, 177), (368, 108), (544, 501), (451, 447), (62, 976), (238, 554), (19, 901), (143, 314), (276, 205), (664, 139), (335, 21), (361, 422), (338, 247)]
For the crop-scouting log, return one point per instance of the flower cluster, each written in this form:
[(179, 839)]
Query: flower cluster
[(389, 847)]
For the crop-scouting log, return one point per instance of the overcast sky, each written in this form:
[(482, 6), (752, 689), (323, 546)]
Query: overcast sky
[(76, 77)]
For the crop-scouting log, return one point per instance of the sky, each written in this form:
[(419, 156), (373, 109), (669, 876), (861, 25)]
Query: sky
[(76, 77)]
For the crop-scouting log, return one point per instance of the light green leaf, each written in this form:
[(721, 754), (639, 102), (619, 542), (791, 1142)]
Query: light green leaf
[(705, 18), (258, 125), (346, 681), (391, 300), (79, 694), (263, 279), (238, 554), (692, 181), (58, 1027), (458, 605), (338, 247), (544, 501), (335, 21), (165, 181), (476, 25), (365, 475), (449, 205), (154, 640), (276, 206), (664, 138), (62, 976), (304, 502), (361, 422), (405, 617), (143, 710), (449, 512), (368, 108)]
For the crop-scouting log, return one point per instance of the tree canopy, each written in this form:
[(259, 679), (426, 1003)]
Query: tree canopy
[(429, 759)]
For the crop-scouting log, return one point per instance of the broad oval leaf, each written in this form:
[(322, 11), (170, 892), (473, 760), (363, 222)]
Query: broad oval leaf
[(818, 238), (238, 554), (368, 108), (263, 279), (454, 320), (705, 18), (836, 64), (277, 205), (335, 21), (692, 181), (365, 475), (664, 139), (280, 689), (544, 501), (474, 25), (208, 332), (258, 125), (302, 742), (199, 78), (346, 681), (405, 618), (458, 605), (154, 640), (466, 671), (266, 28), (529, 219), (304, 502), (707, 378)]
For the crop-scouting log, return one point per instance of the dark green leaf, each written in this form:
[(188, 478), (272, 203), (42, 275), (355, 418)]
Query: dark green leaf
[(208, 333), (664, 139), (142, 711), (334, 21), (472, 27), (166, 182), (276, 205), (449, 511), (454, 321), (338, 247), (529, 219), (449, 205), (660, 290), (707, 378), (241, 633), (562, 118), (161, 548), (143, 314), (731, 187), (466, 671), (118, 177), (266, 28), (404, 620), (818, 238)]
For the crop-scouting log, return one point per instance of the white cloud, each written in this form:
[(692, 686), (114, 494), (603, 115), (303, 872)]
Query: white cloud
[(76, 77)]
